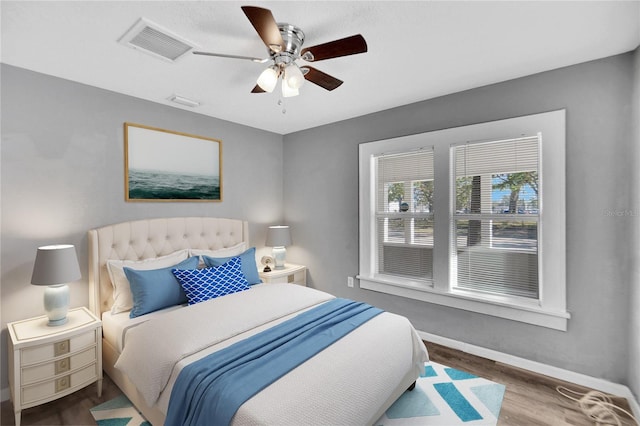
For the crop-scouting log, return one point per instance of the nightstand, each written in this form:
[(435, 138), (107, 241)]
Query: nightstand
[(46, 363), (293, 274)]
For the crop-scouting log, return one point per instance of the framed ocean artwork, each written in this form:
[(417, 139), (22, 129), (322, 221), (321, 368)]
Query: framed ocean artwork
[(163, 165)]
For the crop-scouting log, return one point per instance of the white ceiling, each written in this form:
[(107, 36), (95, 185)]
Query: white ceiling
[(417, 50)]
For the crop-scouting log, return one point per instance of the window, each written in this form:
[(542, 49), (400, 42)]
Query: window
[(495, 223), (456, 217), (404, 214)]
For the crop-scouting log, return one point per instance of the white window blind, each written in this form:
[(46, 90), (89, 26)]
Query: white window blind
[(404, 214), (494, 234)]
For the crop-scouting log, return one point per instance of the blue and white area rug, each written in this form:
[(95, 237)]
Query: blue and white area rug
[(443, 396), (446, 396), (118, 412)]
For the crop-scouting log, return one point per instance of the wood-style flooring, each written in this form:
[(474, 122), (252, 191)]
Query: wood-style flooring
[(530, 399)]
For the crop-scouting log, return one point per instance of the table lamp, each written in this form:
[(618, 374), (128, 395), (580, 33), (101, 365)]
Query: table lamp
[(278, 237), (56, 266)]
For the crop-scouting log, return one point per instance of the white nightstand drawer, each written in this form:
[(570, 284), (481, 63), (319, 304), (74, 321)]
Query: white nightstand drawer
[(45, 390), (59, 348), (290, 274), (287, 279), (41, 372)]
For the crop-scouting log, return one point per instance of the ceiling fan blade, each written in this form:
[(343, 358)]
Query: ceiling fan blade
[(222, 55), (258, 89), (320, 78), (266, 26), (334, 49)]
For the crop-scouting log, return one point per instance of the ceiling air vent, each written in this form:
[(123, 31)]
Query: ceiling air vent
[(183, 101), (155, 40)]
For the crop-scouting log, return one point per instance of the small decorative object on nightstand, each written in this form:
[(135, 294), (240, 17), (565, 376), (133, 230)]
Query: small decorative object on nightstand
[(266, 261), (292, 274), (46, 363)]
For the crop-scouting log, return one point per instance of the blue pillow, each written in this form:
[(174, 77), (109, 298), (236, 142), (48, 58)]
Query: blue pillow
[(157, 288), (209, 283), (249, 267)]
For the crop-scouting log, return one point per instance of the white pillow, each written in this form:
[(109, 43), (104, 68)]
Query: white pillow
[(122, 298), (223, 252)]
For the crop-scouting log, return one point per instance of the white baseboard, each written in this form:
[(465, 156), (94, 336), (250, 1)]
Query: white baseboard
[(540, 368)]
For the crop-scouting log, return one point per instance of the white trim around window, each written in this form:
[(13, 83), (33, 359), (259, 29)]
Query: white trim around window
[(549, 309)]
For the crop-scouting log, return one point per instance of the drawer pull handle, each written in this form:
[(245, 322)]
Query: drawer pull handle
[(63, 365), (61, 348), (63, 383)]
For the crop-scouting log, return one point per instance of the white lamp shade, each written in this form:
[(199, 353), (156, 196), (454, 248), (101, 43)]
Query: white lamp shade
[(278, 236), (268, 79), (288, 91), (293, 76), (57, 264)]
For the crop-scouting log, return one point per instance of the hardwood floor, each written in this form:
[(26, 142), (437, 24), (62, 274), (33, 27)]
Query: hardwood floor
[(530, 399), (70, 410)]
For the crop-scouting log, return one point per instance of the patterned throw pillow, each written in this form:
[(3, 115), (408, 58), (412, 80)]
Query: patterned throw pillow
[(209, 283)]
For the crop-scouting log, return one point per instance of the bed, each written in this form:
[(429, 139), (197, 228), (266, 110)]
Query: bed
[(352, 381)]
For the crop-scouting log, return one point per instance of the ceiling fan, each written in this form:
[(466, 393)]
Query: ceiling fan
[(284, 42)]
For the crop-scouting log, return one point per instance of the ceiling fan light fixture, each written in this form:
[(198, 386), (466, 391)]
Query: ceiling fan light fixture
[(293, 76), (288, 91), (268, 79)]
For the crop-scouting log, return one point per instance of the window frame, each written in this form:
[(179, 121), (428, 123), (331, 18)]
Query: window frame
[(547, 311)]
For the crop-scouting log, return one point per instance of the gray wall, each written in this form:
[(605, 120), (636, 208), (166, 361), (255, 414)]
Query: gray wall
[(62, 171), (634, 308), (321, 205)]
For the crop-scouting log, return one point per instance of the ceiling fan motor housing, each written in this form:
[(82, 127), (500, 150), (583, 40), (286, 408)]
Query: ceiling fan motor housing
[(293, 38)]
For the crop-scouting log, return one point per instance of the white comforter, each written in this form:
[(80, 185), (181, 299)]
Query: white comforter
[(350, 382)]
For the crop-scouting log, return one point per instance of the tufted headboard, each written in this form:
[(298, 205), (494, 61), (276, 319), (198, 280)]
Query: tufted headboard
[(143, 239)]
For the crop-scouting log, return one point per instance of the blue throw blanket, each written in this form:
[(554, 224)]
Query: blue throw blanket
[(210, 390)]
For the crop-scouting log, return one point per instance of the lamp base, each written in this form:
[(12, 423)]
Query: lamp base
[(279, 254), (55, 323), (56, 304)]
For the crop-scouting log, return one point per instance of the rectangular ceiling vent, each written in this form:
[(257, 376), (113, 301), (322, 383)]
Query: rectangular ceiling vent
[(151, 38), (183, 101)]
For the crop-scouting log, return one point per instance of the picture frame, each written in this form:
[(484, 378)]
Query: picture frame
[(167, 166)]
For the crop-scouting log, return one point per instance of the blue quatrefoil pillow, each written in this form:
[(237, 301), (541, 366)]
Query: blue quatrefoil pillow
[(208, 283)]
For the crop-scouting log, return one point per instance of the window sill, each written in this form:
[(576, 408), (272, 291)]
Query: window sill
[(523, 312)]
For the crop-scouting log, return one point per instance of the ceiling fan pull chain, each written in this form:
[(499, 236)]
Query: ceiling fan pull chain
[(281, 103)]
